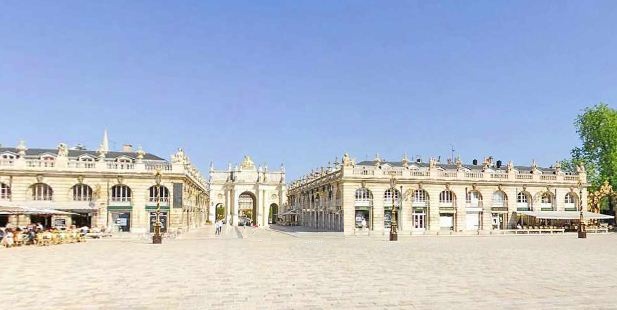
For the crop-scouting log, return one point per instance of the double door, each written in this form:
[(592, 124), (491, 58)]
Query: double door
[(418, 221)]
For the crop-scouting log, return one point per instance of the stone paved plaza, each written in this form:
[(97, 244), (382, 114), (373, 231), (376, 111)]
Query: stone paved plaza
[(264, 269)]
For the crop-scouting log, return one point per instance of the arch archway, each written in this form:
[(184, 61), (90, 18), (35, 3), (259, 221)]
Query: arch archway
[(273, 213), (247, 208)]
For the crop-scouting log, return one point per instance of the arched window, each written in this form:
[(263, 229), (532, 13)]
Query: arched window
[(547, 198), (499, 199), (521, 198), (446, 197), (41, 191), (158, 192), (522, 201), (546, 201), (120, 193), (571, 200), (389, 194), (474, 199), (363, 194), (5, 191), (420, 196), (82, 192)]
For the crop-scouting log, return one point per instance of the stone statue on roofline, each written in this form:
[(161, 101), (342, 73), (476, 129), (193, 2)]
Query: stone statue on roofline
[(405, 161), (346, 160), (459, 163), (432, 163), (510, 166), (63, 150)]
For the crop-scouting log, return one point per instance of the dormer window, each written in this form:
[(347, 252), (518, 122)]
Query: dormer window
[(8, 156), (47, 161), (124, 163)]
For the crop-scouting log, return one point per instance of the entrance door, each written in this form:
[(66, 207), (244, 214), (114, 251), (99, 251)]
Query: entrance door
[(446, 221), (498, 220), (387, 219), (163, 219), (122, 220), (472, 221), (419, 221)]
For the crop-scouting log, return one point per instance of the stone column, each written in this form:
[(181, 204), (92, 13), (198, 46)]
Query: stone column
[(461, 215), (236, 207), (378, 208), (487, 214), (348, 216), (433, 211), (227, 206)]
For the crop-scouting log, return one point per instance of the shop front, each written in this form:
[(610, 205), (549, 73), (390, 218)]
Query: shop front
[(446, 218), (499, 216), (119, 218), (363, 215), (163, 217)]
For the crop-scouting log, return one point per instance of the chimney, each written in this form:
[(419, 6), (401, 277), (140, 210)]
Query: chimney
[(127, 148)]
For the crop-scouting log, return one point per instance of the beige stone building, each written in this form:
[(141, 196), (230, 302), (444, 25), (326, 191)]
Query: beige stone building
[(432, 197), (101, 188), (247, 194)]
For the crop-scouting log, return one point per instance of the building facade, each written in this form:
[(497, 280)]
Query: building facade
[(102, 188), (247, 193), (358, 198)]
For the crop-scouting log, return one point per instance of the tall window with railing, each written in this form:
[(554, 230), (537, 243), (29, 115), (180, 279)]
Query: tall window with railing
[(570, 201), (546, 201), (5, 191), (499, 199), (473, 199), (390, 195), (420, 197), (364, 197), (447, 197), (158, 192), (522, 201), (82, 192), (120, 193), (42, 191)]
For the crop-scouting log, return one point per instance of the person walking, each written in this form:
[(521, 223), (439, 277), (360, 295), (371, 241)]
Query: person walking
[(217, 227)]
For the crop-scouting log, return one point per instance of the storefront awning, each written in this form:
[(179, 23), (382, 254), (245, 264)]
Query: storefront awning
[(565, 215), (17, 210)]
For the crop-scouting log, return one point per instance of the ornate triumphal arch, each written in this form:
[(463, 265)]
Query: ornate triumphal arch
[(247, 193)]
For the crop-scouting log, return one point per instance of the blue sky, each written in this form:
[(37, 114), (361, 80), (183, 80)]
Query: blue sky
[(302, 82)]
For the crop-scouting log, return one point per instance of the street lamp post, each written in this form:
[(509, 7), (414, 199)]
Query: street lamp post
[(582, 233), (157, 238), (393, 224)]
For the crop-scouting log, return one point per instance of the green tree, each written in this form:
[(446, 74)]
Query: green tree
[(597, 128)]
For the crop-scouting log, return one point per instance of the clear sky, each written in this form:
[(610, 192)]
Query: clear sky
[(302, 82)]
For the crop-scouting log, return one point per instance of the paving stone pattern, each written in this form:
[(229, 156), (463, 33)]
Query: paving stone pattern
[(262, 269)]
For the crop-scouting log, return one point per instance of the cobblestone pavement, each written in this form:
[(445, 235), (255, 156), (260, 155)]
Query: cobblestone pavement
[(262, 269)]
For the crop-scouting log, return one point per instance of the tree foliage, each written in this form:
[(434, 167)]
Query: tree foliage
[(597, 128)]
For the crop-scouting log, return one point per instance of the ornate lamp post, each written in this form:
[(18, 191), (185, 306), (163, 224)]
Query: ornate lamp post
[(393, 224), (582, 233), (157, 238)]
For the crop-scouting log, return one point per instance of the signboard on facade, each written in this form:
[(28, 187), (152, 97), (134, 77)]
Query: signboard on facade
[(177, 195)]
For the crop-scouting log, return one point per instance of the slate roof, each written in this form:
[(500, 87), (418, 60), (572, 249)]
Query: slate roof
[(76, 153)]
